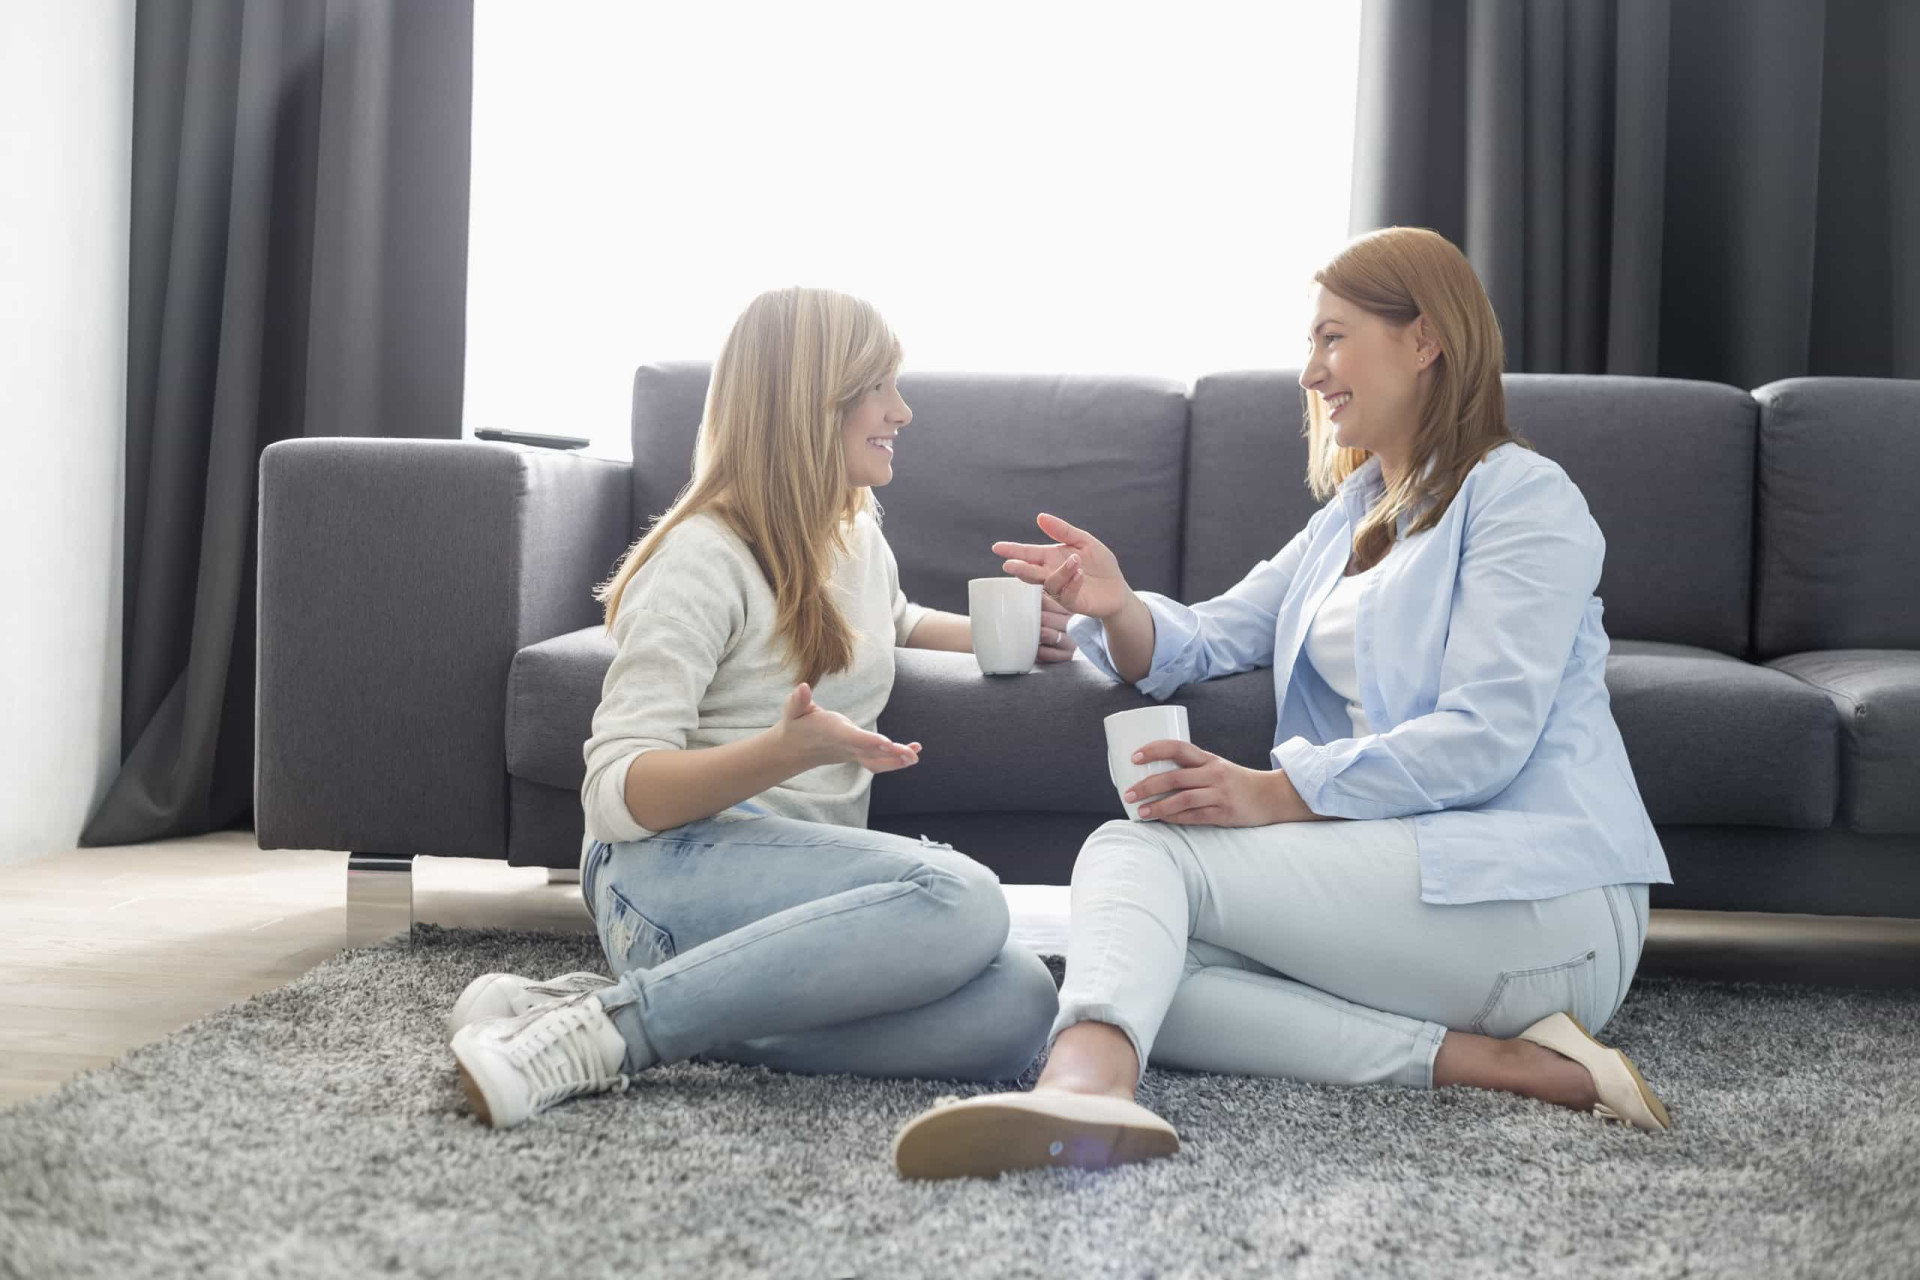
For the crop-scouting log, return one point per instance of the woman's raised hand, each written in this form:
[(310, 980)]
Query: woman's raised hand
[(1077, 570), (818, 737)]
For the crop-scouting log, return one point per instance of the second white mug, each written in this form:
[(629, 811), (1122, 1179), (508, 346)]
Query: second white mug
[(1127, 732)]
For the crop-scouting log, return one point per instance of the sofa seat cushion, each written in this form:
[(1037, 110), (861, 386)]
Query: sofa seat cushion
[(1876, 693), (552, 690), (1036, 742), (1691, 718), (992, 743), (1713, 739)]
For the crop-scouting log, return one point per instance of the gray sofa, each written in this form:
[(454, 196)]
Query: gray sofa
[(430, 655)]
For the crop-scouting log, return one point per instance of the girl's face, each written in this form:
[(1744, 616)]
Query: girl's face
[(1368, 372), (870, 431)]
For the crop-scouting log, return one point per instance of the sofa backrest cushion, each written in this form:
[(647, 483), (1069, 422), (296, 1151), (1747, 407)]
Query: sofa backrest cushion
[(1666, 468), (984, 454), (1246, 476), (1839, 470), (668, 400)]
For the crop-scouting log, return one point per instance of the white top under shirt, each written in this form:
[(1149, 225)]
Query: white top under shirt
[(700, 664), (1330, 644)]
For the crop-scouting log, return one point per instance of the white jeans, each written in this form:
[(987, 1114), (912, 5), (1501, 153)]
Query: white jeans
[(1304, 950)]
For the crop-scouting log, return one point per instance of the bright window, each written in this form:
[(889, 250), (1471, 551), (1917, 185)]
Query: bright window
[(1020, 187)]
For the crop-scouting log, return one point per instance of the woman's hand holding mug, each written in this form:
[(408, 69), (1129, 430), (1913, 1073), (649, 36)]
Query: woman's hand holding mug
[(1055, 644), (1077, 570), (818, 737), (1209, 791)]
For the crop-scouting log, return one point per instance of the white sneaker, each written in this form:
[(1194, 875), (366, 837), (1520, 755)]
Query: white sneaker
[(515, 1068), (508, 995)]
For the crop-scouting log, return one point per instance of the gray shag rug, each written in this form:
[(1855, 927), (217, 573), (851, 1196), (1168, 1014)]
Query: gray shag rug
[(318, 1130)]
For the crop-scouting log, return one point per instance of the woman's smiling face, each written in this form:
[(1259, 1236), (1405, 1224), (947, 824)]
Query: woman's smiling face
[(1368, 372), (869, 434)]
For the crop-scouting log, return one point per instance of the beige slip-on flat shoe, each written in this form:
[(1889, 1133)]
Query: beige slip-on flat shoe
[(994, 1133), (1624, 1095)]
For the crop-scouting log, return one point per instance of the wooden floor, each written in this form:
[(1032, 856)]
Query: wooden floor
[(102, 950), (105, 949)]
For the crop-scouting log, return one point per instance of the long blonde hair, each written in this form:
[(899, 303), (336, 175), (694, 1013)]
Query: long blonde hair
[(770, 459), (1401, 274)]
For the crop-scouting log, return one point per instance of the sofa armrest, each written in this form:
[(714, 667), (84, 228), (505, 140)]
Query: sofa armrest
[(397, 579)]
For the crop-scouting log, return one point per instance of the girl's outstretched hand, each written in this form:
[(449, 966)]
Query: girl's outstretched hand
[(819, 737)]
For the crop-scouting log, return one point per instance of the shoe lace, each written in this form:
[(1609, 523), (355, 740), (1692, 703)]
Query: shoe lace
[(569, 984), (560, 1054)]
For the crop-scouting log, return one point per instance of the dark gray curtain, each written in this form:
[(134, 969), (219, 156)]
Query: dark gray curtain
[(298, 259), (1717, 189)]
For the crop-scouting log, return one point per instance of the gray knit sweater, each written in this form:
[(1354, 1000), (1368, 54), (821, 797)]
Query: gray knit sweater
[(699, 665)]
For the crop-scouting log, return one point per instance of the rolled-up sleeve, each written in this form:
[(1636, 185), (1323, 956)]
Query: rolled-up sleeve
[(1219, 637), (906, 616), (1529, 562), (671, 632)]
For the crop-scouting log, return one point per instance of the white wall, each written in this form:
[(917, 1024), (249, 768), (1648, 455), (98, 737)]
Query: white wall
[(66, 112)]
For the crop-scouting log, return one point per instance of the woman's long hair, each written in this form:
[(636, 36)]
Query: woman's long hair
[(1401, 274), (770, 460)]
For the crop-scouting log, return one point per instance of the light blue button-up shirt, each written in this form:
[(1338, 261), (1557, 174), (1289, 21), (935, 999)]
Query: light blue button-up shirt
[(1481, 663)]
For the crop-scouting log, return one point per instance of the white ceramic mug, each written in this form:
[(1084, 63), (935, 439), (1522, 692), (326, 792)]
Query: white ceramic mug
[(1127, 732), (1005, 613)]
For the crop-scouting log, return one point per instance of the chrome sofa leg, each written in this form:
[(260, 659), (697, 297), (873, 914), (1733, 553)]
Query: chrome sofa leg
[(379, 897)]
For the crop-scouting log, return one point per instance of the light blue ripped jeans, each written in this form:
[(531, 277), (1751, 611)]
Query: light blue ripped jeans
[(1303, 950), (751, 938)]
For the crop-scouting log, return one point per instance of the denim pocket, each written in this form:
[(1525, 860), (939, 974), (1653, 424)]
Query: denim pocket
[(630, 939), (1521, 997)]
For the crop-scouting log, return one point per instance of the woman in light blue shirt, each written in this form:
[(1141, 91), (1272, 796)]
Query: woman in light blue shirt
[(1443, 877)]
